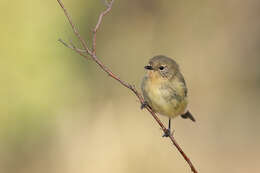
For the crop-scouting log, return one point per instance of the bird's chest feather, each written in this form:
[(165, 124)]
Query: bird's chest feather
[(162, 98), (156, 93), (158, 97)]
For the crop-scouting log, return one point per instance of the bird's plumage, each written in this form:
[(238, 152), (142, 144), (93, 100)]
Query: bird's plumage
[(164, 87)]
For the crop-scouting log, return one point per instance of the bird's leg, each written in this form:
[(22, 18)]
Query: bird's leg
[(168, 131)]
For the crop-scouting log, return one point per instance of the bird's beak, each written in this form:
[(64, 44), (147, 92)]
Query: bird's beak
[(148, 67)]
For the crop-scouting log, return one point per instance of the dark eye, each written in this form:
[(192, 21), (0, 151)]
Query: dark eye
[(161, 67)]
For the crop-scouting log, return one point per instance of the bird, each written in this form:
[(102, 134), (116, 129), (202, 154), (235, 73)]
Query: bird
[(164, 89)]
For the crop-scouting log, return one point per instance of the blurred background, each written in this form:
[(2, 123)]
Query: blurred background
[(59, 113)]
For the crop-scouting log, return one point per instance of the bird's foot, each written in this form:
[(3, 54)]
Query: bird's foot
[(168, 133), (144, 104)]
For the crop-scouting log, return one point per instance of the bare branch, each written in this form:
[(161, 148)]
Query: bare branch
[(72, 46), (102, 14), (107, 3), (92, 54), (74, 28)]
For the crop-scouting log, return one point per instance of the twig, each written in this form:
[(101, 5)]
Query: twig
[(73, 47), (102, 14), (92, 54), (76, 32)]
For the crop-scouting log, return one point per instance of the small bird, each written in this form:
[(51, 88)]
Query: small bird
[(164, 89)]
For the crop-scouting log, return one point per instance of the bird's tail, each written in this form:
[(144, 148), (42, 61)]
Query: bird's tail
[(188, 115)]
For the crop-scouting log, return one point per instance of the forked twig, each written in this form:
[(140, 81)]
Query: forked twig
[(102, 14), (73, 47), (86, 52)]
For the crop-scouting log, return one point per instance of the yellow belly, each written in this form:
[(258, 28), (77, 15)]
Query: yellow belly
[(163, 100)]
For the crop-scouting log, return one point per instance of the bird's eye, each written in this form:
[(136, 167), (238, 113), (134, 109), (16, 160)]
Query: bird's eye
[(161, 67)]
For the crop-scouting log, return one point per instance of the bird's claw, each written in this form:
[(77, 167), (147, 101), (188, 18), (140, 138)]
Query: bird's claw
[(144, 104), (167, 133)]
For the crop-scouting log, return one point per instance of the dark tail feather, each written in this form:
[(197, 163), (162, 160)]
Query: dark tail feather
[(188, 115)]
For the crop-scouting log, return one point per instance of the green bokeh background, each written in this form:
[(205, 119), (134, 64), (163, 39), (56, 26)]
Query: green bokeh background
[(61, 113)]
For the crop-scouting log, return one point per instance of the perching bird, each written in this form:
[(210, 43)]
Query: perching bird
[(164, 89)]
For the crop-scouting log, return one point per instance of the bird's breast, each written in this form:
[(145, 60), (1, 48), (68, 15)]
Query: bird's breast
[(162, 99)]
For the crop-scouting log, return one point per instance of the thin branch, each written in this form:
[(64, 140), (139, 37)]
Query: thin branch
[(106, 3), (102, 14), (92, 54), (76, 32), (73, 47)]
